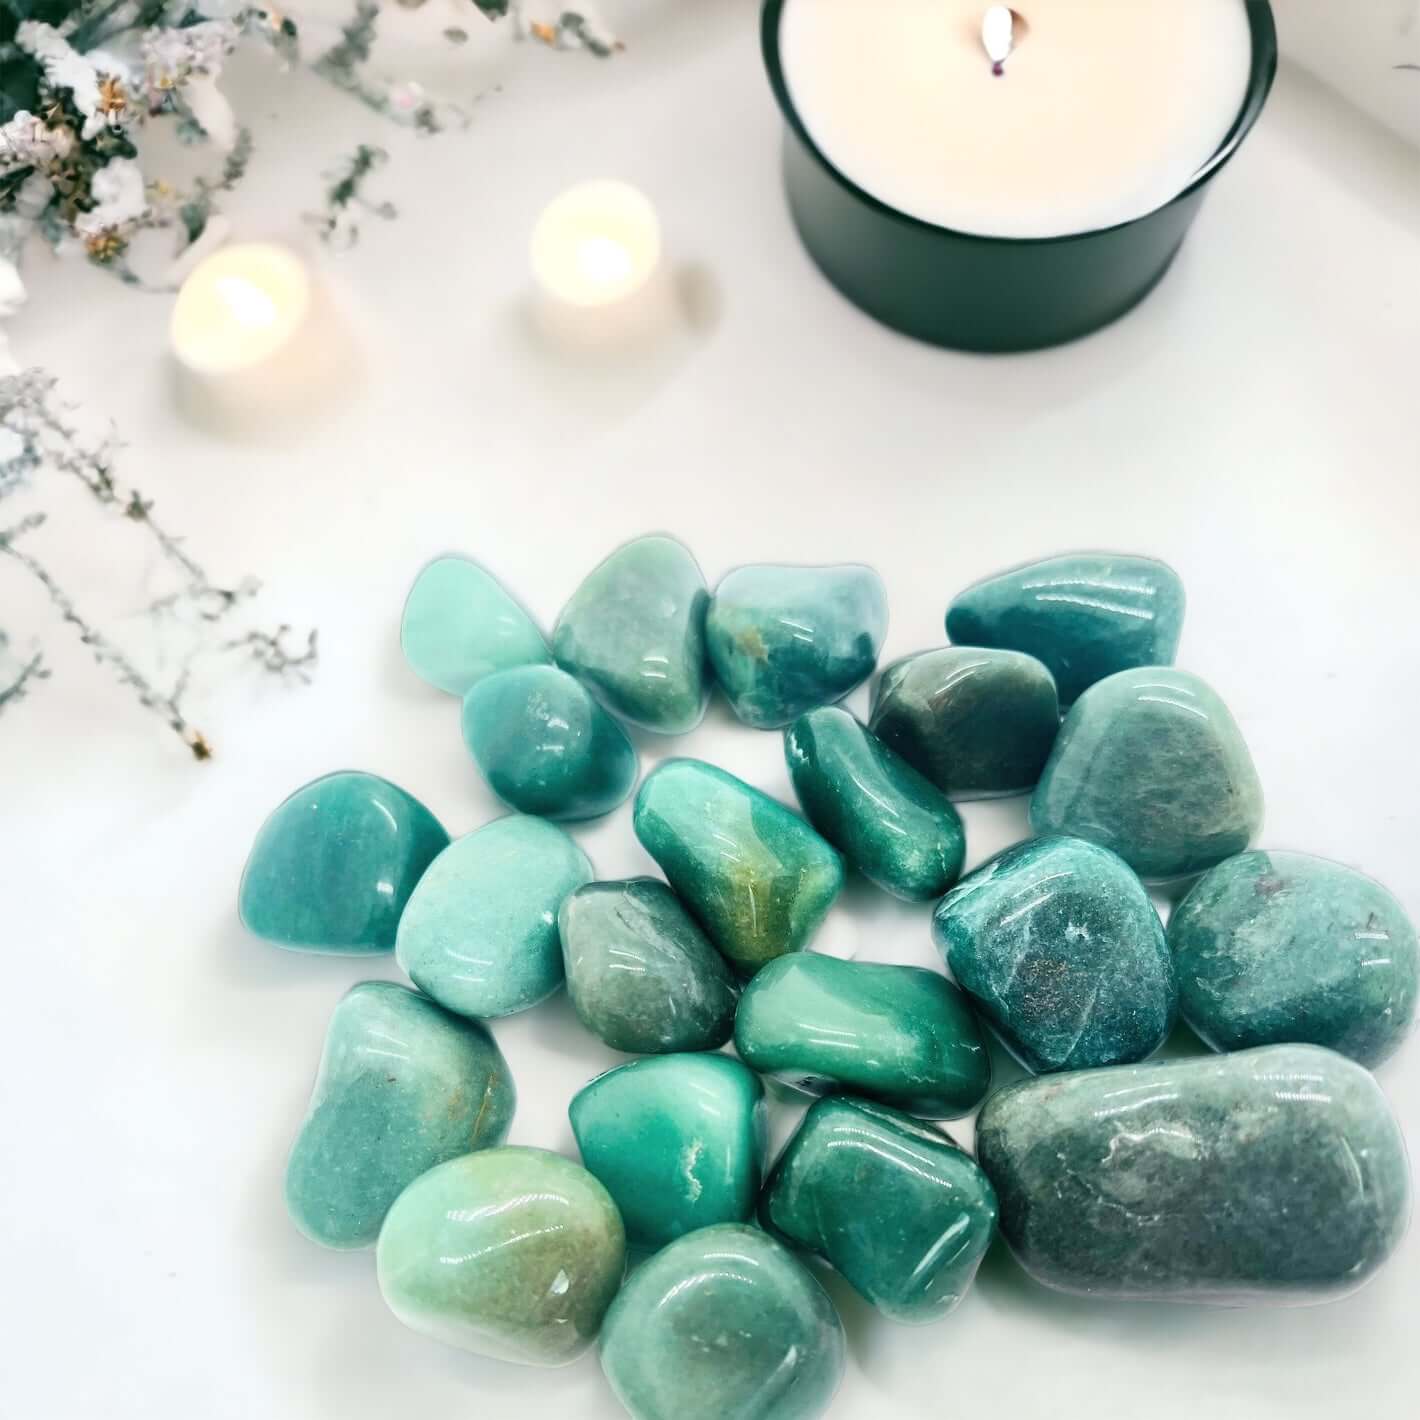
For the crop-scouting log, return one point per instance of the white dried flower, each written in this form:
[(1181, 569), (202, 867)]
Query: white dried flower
[(120, 199)]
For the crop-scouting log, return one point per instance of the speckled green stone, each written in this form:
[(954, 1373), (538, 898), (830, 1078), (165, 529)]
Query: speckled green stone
[(723, 1324), (897, 829), (1149, 763), (634, 633), (758, 878), (677, 1140), (512, 1253), (403, 1085), (898, 1034), (895, 1206), (641, 974), (1274, 947), (480, 932), (1057, 944), (331, 869)]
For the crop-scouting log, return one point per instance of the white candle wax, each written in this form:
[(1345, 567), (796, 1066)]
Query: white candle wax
[(1104, 111)]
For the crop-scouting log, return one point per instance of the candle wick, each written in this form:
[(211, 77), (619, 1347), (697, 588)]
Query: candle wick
[(998, 69)]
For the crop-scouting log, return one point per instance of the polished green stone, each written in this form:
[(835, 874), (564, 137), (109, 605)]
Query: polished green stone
[(977, 723), (724, 1324), (898, 1034), (1272, 1175), (459, 625), (783, 640), (641, 974), (893, 1205), (1274, 947), (759, 879), (480, 933), (1086, 615), (1057, 944), (334, 865), (898, 830), (403, 1085), (634, 633), (512, 1253), (545, 745), (677, 1140), (1151, 764)]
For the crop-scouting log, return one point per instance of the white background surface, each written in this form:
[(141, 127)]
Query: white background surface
[(1255, 423)]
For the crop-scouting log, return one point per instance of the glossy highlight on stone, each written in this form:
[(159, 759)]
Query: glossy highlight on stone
[(1275, 1175), (545, 746), (1086, 615), (723, 1322), (403, 1085), (641, 973), (784, 640), (1150, 764), (333, 866), (677, 1140), (1273, 947), (895, 1206), (898, 1034), (480, 933), (757, 877), (634, 633), (897, 829), (1058, 946)]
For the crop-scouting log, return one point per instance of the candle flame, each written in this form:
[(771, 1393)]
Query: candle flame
[(604, 260), (998, 33), (248, 304)]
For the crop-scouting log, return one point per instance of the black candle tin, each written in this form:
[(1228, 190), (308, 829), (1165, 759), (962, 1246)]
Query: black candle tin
[(990, 293)]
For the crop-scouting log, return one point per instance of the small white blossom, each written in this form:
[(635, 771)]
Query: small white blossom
[(26, 142), (171, 55), (118, 190)]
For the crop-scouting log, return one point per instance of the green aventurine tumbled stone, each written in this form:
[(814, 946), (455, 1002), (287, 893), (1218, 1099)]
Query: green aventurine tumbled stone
[(545, 745), (641, 973), (634, 632), (459, 625), (677, 1140), (783, 640), (898, 830), (480, 933), (1276, 947), (896, 1207), (977, 723), (756, 875), (1273, 1175), (1058, 945), (1150, 764), (723, 1323), (403, 1085), (513, 1253), (331, 869), (899, 1034)]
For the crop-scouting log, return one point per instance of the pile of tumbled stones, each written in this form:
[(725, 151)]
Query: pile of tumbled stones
[(1270, 1172)]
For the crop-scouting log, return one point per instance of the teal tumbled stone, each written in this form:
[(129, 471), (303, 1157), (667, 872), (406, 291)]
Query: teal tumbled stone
[(677, 1140), (978, 723), (1272, 1175), (724, 1322), (1273, 947), (758, 878), (513, 1253), (900, 831), (480, 932), (459, 625), (1057, 944), (783, 640), (545, 746), (403, 1085), (640, 972), (334, 865), (898, 1034), (1149, 763), (893, 1205), (634, 632), (1086, 615)]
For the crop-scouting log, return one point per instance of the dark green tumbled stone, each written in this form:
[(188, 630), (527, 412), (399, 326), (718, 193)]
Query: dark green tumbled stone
[(898, 830)]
